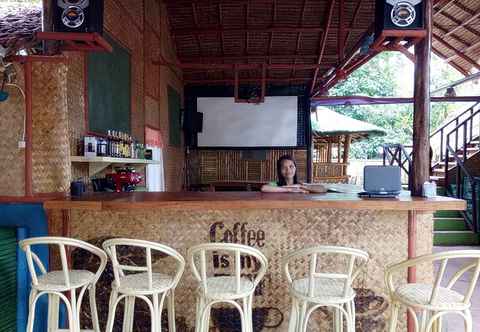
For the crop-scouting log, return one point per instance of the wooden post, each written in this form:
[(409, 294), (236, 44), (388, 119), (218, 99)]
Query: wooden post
[(421, 115), (346, 152)]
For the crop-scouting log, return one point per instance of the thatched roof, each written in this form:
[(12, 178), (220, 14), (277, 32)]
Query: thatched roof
[(18, 25), (328, 123)]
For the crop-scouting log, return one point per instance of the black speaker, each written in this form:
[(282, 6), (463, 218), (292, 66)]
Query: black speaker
[(192, 125), (398, 15), (78, 16)]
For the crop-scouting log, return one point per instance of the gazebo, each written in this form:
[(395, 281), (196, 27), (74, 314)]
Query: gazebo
[(332, 135)]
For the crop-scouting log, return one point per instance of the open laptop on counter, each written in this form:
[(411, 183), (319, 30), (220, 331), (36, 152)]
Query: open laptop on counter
[(381, 182)]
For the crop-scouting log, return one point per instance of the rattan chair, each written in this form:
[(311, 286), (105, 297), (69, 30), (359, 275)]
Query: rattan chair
[(319, 289), (229, 289), (63, 284), (434, 301), (141, 282)]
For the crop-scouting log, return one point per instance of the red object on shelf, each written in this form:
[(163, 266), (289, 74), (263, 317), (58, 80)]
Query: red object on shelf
[(78, 41)]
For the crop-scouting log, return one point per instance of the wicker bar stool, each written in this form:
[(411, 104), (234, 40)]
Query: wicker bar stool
[(63, 284), (318, 289), (141, 282), (434, 301), (230, 289)]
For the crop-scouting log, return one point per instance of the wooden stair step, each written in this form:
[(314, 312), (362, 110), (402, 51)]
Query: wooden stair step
[(455, 238)]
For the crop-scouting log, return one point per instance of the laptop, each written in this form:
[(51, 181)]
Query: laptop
[(381, 181)]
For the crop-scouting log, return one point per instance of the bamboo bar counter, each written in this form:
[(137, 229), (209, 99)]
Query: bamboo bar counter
[(390, 230)]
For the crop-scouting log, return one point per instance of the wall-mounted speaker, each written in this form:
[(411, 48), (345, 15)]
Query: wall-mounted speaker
[(398, 15), (78, 16)]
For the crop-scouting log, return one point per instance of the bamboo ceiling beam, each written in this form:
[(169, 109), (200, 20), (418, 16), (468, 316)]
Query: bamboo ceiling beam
[(465, 50), (453, 64), (255, 29), (299, 34), (458, 22), (341, 31), (353, 22), (241, 66), (249, 80), (440, 40), (463, 24), (251, 57), (323, 42)]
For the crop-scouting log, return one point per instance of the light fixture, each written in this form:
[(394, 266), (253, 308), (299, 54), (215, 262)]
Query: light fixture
[(450, 92)]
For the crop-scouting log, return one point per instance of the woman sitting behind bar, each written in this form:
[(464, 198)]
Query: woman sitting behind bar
[(287, 178)]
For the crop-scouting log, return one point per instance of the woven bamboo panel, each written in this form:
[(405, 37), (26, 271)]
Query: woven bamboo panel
[(152, 53), (152, 14), (275, 232), (152, 113), (12, 159), (50, 138), (228, 165)]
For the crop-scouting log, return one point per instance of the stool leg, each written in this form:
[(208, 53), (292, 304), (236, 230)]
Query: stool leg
[(293, 321), (31, 310), (246, 315), (155, 316), (114, 299), (198, 314), (302, 321), (393, 317), (53, 311), (128, 314), (93, 308), (74, 323), (338, 320), (171, 311), (206, 318), (468, 321)]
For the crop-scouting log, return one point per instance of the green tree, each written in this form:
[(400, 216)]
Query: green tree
[(390, 74)]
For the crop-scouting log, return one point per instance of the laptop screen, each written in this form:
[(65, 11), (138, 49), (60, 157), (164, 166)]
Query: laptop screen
[(379, 179)]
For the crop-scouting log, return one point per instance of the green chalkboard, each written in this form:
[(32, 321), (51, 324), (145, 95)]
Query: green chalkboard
[(109, 89), (174, 102)]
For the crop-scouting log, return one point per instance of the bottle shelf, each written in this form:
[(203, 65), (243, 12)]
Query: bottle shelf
[(97, 164)]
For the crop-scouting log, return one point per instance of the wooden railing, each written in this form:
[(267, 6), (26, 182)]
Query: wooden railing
[(398, 155), (440, 134), (457, 143), (326, 172)]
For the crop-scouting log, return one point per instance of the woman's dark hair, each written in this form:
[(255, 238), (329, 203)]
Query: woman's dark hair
[(281, 179)]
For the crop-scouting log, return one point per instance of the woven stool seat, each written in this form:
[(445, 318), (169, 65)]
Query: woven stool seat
[(226, 287), (420, 294), (325, 290), (55, 280), (138, 282)]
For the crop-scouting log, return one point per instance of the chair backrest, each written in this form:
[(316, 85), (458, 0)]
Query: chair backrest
[(443, 258), (63, 244), (110, 246), (355, 260), (236, 251)]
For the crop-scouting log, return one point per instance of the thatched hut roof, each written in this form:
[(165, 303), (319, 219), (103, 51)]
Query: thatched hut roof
[(328, 123), (19, 23)]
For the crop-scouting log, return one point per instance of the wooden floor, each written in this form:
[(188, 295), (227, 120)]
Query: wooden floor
[(454, 323)]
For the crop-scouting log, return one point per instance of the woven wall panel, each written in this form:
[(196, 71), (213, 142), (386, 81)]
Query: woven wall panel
[(152, 53), (152, 113), (50, 137), (382, 234), (228, 165), (152, 15), (12, 161)]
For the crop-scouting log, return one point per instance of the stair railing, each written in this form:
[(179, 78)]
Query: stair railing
[(441, 133), (397, 155), (462, 175)]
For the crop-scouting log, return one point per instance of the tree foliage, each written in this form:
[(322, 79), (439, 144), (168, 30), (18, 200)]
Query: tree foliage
[(388, 75)]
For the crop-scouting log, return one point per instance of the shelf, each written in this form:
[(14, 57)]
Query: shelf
[(78, 41), (98, 164)]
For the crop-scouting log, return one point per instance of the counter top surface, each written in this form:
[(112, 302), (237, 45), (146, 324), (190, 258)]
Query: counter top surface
[(250, 200)]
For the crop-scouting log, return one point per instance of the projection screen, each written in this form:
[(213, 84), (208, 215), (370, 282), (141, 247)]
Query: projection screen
[(229, 124)]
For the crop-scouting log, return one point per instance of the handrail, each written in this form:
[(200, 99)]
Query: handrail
[(462, 172), (440, 131), (453, 120)]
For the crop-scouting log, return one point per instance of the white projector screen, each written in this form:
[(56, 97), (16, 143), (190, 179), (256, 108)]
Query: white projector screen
[(229, 124)]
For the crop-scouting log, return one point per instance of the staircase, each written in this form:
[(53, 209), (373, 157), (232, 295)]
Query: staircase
[(455, 158)]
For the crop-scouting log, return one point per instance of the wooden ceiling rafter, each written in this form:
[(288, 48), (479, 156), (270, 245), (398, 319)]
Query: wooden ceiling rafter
[(463, 24), (453, 64), (287, 28), (465, 57), (299, 35), (222, 41), (323, 42), (341, 30)]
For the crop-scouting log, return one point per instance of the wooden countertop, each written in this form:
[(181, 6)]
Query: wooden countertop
[(250, 200)]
